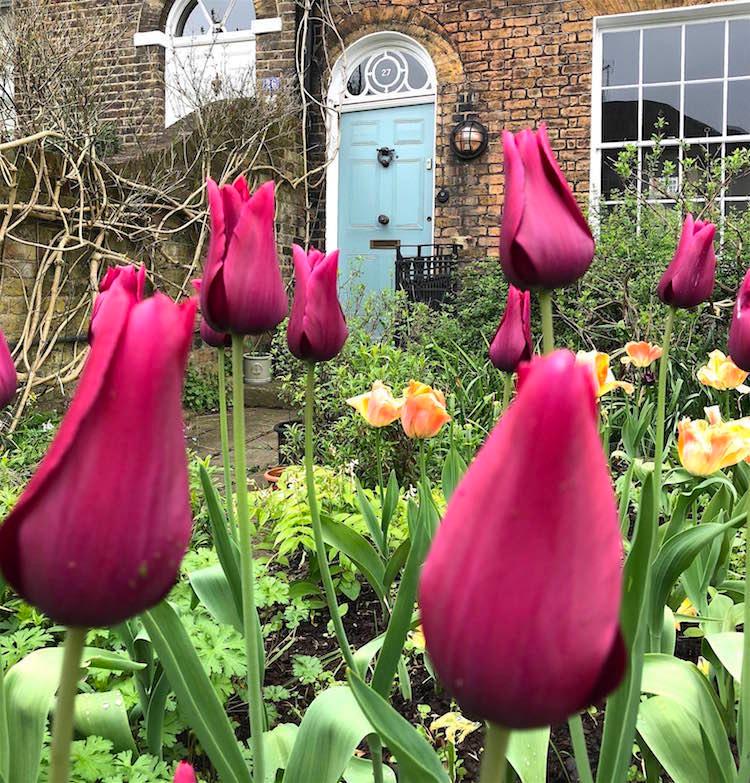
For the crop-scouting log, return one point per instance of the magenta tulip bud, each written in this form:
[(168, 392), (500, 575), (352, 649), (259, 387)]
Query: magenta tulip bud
[(208, 335), (99, 532), (243, 291), (184, 773), (689, 279), (512, 342), (520, 594), (131, 280), (545, 241), (317, 327), (739, 330), (8, 376)]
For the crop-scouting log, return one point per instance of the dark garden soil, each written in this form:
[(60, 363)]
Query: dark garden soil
[(363, 622)]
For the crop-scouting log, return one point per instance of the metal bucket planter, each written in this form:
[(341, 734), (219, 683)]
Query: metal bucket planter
[(258, 370)]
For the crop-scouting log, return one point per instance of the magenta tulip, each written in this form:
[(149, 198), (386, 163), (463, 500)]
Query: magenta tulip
[(208, 335), (689, 279), (100, 531), (512, 342), (520, 594), (317, 327), (739, 330), (8, 377), (243, 291), (131, 280), (545, 241), (184, 773)]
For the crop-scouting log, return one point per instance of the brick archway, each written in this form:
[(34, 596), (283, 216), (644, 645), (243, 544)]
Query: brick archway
[(412, 22), (154, 13)]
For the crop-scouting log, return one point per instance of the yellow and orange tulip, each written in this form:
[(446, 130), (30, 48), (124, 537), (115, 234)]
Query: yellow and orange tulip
[(423, 414), (707, 445), (722, 373), (378, 407), (641, 354), (604, 379)]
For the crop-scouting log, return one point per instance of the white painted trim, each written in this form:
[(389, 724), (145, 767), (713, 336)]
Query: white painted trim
[(159, 38), (693, 13), (335, 106)]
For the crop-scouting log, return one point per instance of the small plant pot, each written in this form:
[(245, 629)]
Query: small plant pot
[(272, 476), (257, 369)]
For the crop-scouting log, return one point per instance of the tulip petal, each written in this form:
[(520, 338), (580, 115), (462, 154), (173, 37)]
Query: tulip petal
[(520, 594), (8, 375)]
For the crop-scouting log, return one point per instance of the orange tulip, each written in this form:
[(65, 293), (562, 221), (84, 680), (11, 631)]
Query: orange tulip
[(705, 446), (722, 373), (423, 414), (641, 354), (378, 407), (604, 379)]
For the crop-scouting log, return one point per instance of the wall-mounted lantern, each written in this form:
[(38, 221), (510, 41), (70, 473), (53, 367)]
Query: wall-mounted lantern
[(469, 139)]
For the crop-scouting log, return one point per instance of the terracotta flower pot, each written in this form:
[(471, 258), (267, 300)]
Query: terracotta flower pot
[(272, 476)]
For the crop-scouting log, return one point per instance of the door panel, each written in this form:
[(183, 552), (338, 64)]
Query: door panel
[(402, 193)]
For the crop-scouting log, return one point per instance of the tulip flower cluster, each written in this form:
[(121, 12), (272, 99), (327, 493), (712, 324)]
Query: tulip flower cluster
[(421, 409)]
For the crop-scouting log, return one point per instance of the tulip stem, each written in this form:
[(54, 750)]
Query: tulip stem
[(578, 740), (507, 390), (548, 327), (249, 610), (320, 547), (62, 725), (661, 407), (493, 758), (224, 429), (744, 738)]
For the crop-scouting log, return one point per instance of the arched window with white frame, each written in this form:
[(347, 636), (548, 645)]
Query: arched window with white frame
[(210, 54)]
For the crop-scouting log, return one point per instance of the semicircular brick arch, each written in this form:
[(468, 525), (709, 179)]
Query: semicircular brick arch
[(412, 22), (154, 13)]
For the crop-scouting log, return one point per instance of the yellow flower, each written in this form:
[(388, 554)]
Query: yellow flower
[(722, 373), (641, 354), (604, 379), (417, 638), (423, 414), (378, 407), (456, 727), (705, 446), (686, 609), (704, 667)]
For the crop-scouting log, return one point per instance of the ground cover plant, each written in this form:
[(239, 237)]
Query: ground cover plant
[(498, 559)]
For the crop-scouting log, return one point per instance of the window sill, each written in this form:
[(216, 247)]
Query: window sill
[(160, 38)]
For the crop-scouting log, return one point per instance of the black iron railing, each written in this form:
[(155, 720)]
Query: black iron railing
[(428, 273)]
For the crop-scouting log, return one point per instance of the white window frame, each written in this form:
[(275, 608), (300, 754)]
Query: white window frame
[(638, 21), (241, 44)]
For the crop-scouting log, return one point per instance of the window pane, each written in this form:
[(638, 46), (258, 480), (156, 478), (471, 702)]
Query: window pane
[(612, 183), (661, 54), (704, 50), (659, 172), (739, 184), (701, 163), (241, 16), (738, 108), (217, 10), (620, 114), (620, 58), (418, 78), (739, 51), (661, 102), (735, 208), (193, 21), (704, 109)]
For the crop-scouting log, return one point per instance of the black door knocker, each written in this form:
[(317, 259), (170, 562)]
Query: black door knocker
[(385, 156)]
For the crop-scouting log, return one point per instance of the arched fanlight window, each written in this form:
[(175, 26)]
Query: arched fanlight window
[(388, 72), (206, 17)]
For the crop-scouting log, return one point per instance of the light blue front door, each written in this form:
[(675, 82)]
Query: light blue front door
[(383, 206)]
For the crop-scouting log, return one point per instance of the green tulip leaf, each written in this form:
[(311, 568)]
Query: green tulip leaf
[(417, 760), (360, 771), (368, 514), (278, 745), (104, 715), (454, 468), (215, 593), (675, 738), (195, 693), (154, 714), (333, 727), (29, 690), (527, 754), (4, 737), (727, 647), (680, 681)]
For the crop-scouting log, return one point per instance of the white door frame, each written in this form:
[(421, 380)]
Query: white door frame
[(337, 103)]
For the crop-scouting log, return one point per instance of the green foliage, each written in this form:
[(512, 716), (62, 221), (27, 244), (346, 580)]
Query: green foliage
[(201, 391)]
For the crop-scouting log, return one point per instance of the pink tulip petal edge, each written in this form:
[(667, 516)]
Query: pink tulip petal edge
[(520, 593)]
